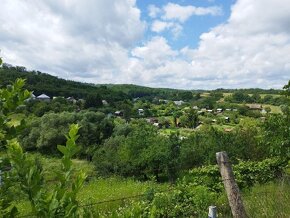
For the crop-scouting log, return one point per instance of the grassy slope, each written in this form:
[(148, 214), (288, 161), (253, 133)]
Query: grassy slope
[(270, 200), (96, 189)]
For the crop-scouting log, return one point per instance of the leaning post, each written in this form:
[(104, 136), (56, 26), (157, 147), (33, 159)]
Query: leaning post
[(231, 186)]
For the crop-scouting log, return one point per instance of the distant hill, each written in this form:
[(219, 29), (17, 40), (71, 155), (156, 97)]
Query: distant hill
[(39, 83)]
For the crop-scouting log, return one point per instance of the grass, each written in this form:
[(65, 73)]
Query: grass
[(224, 126), (273, 95), (103, 190), (205, 94), (183, 131), (94, 190), (271, 200), (274, 109), (51, 165), (262, 95)]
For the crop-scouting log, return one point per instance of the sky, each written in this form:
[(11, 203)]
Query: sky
[(184, 44)]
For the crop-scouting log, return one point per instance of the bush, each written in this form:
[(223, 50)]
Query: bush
[(247, 174)]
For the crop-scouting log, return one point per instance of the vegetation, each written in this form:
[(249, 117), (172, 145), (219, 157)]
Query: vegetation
[(154, 158)]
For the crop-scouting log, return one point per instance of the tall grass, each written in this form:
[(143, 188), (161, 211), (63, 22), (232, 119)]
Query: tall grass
[(271, 200)]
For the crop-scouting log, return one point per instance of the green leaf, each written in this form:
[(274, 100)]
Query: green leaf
[(62, 149)]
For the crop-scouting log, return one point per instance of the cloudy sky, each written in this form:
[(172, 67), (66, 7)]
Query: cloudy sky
[(187, 44)]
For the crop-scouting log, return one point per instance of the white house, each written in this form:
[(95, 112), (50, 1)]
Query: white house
[(178, 103), (32, 97), (141, 112), (43, 97), (219, 110)]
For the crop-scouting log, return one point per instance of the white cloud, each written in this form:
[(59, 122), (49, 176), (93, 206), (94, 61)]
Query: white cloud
[(96, 42), (251, 49), (172, 15), (159, 26), (153, 11), (154, 53), (174, 11), (71, 39)]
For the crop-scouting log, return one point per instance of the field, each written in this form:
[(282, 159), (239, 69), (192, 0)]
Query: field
[(183, 131), (103, 195), (271, 200), (274, 109)]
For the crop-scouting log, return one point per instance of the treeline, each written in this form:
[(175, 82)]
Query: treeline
[(251, 91), (52, 86), (243, 97), (39, 83)]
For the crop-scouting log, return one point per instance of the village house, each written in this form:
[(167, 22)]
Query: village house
[(43, 97), (119, 113), (200, 112), (141, 112), (227, 119), (163, 101), (152, 120), (31, 98), (159, 125), (179, 103), (71, 99), (219, 110)]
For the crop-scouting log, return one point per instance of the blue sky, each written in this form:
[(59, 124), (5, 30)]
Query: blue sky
[(184, 44), (193, 27)]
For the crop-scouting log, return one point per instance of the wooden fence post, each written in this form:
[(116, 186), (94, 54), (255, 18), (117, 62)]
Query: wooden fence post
[(212, 212), (231, 186)]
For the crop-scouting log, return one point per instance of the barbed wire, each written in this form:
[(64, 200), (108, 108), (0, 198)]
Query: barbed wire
[(109, 201), (163, 191)]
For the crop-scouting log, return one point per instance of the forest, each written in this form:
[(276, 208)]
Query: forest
[(84, 144)]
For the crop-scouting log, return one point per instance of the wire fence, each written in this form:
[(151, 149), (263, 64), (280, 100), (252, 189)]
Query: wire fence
[(262, 195), (268, 195), (170, 189)]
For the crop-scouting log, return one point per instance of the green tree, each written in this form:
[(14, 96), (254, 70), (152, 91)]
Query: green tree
[(25, 176), (189, 119), (93, 100)]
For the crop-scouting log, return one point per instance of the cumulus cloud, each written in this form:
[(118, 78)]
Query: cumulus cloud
[(70, 38), (251, 49), (159, 26), (96, 42), (153, 11), (172, 15), (182, 13)]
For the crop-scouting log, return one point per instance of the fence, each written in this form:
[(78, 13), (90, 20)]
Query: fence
[(277, 199)]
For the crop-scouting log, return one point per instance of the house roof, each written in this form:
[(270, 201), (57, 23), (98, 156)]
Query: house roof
[(43, 96), (255, 106)]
